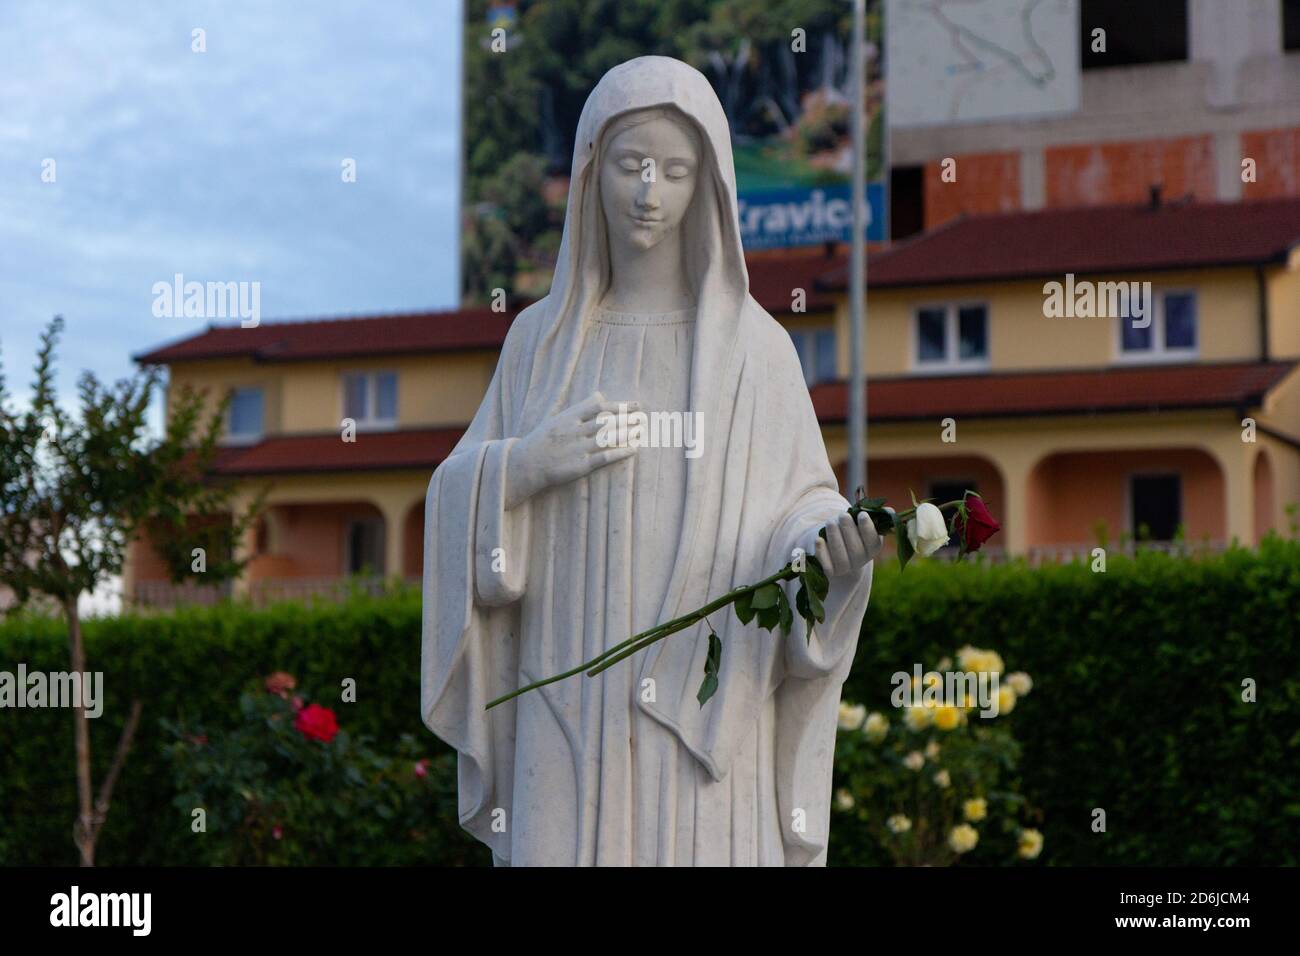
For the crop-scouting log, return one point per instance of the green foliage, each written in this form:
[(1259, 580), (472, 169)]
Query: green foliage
[(521, 107), (74, 490), (1137, 705), (908, 780), (273, 796), (191, 668)]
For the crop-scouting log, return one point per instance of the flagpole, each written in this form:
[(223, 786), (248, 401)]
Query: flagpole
[(857, 470)]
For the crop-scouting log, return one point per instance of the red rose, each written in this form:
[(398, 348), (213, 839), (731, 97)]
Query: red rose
[(280, 683), (421, 768), (976, 526), (316, 723)]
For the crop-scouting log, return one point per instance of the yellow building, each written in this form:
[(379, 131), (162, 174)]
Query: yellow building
[(1118, 370)]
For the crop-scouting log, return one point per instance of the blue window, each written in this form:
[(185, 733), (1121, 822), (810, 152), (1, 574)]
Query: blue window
[(1180, 320), (816, 349), (952, 336), (370, 398), (931, 337), (972, 333), (245, 420), (824, 367), (1170, 332)]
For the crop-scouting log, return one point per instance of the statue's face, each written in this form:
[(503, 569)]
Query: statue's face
[(647, 181)]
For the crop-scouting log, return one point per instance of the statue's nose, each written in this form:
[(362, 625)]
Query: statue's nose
[(647, 196)]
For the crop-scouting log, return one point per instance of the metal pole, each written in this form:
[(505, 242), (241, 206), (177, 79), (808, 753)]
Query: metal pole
[(858, 264)]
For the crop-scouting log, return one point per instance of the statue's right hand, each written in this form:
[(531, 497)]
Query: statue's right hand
[(565, 447)]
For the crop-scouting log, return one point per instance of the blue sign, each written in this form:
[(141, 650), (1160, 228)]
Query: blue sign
[(808, 215)]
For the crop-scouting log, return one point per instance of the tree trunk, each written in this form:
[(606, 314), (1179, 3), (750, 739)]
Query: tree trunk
[(84, 830)]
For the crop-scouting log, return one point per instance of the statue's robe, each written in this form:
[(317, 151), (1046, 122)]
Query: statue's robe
[(627, 767)]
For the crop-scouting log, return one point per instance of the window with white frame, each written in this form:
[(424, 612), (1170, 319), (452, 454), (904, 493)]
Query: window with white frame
[(244, 420), (816, 348), (1171, 332), (370, 398), (953, 335)]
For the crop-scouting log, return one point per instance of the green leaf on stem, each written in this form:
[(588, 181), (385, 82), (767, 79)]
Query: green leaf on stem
[(805, 610), (765, 597), (745, 608), (882, 519), (712, 664), (787, 614), (818, 583)]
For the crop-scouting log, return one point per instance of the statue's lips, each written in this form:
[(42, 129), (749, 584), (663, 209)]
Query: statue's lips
[(646, 220)]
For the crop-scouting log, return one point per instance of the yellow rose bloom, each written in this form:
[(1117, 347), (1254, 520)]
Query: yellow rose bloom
[(898, 823), (932, 750), (843, 799), (979, 661), (1031, 844), (876, 727), (917, 718), (851, 716), (914, 760), (975, 809), (946, 717), (1021, 683), (963, 837), (942, 780), (1006, 700)]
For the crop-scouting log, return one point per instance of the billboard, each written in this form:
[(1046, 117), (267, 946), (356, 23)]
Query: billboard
[(780, 71), (955, 61)]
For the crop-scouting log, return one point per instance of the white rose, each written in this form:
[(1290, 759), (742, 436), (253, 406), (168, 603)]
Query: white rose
[(928, 532), (914, 760), (1020, 682), (898, 823)]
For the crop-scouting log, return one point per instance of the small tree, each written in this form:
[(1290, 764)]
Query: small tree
[(75, 491)]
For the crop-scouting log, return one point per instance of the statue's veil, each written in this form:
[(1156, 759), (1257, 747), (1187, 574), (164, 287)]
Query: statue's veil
[(715, 261)]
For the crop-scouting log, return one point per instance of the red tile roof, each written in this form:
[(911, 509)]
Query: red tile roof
[(1109, 239), (372, 451), (1144, 389), (1140, 389), (772, 280), (342, 338)]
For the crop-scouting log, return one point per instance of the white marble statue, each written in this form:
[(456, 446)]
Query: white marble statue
[(545, 546)]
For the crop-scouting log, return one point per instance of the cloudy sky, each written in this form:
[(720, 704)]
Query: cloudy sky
[(222, 165)]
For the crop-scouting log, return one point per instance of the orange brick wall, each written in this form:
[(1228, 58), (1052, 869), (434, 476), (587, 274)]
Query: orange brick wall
[(986, 182), (1109, 173), (1277, 163)]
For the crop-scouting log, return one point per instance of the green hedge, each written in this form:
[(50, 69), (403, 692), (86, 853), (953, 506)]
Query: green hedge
[(1136, 707)]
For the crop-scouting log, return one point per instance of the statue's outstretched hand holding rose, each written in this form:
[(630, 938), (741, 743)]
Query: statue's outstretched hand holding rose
[(567, 446)]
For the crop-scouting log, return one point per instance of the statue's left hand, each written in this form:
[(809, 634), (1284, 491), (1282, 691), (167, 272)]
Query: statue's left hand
[(849, 545)]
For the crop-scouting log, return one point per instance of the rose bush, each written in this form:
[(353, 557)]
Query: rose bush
[(288, 786), (936, 782)]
